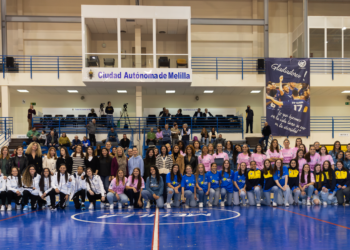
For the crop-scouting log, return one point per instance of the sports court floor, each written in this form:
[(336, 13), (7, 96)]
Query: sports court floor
[(208, 228)]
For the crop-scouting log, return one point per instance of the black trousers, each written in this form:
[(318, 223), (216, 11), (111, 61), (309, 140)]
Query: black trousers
[(133, 197), (62, 202), (249, 123), (42, 202), (3, 196), (33, 199), (13, 196), (340, 195), (67, 145), (80, 193), (165, 190), (93, 198), (92, 139)]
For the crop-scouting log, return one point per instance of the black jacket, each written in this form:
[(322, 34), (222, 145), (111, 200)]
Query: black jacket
[(193, 162), (207, 114), (37, 162), (124, 144), (94, 164), (250, 114), (20, 162), (196, 113), (266, 131), (109, 110), (7, 166), (92, 115), (49, 138), (105, 166), (68, 161)]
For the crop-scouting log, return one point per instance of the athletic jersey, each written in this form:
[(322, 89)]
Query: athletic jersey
[(281, 179), (244, 158), (203, 183), (293, 178), (227, 181), (330, 181), (319, 178), (174, 183), (342, 177), (213, 179), (259, 159), (240, 180), (287, 154), (301, 92), (286, 96), (268, 181), (253, 178), (188, 182), (298, 109)]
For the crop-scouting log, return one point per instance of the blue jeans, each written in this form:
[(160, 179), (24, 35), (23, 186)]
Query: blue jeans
[(309, 191), (236, 197), (294, 196), (224, 192), (177, 197), (281, 193), (110, 120), (214, 195), (112, 198), (190, 201), (146, 195), (113, 140), (202, 197), (254, 196), (267, 196), (328, 197), (105, 181), (205, 141), (266, 139), (186, 142)]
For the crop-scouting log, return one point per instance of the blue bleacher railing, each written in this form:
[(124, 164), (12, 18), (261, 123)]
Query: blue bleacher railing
[(6, 130)]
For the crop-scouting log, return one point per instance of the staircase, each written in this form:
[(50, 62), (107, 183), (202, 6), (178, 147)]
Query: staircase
[(15, 142)]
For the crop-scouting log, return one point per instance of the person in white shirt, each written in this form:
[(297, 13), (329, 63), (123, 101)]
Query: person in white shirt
[(50, 160), (45, 189), (31, 188), (14, 188), (2, 190), (79, 188), (62, 184), (95, 189)]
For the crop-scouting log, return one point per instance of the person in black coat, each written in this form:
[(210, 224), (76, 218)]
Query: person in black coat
[(20, 160), (52, 140), (266, 132), (190, 158), (207, 114), (34, 156), (91, 161), (249, 119), (65, 159), (198, 113)]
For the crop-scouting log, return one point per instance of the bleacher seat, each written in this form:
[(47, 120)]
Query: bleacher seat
[(151, 119)]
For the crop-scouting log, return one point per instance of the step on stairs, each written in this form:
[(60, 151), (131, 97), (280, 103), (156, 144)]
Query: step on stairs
[(15, 142)]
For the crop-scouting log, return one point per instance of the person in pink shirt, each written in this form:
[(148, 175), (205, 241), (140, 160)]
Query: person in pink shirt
[(302, 147), (116, 190), (258, 156), (312, 158), (220, 154), (287, 153), (324, 156), (134, 186), (244, 156), (205, 158), (298, 142), (306, 184), (274, 153), (182, 149), (300, 159)]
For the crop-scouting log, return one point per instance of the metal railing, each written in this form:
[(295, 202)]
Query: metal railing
[(325, 123), (6, 130)]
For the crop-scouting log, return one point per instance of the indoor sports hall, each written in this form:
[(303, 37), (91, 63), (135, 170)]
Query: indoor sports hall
[(173, 124)]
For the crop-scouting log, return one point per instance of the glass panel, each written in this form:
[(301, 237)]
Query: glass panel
[(334, 43), (317, 43), (300, 47), (346, 43), (129, 61)]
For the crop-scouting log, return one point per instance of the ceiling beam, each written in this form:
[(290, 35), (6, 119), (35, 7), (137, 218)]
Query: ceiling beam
[(219, 21), (43, 19)]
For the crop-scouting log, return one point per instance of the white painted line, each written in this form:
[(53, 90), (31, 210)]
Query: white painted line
[(155, 240)]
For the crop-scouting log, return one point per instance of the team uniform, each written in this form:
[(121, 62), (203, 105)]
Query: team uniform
[(48, 190), (79, 190), (253, 186), (240, 180), (293, 183), (227, 187), (330, 185), (259, 159), (203, 184), (2, 191), (189, 185), (12, 187), (214, 192), (282, 181), (269, 186), (171, 192), (342, 177), (31, 192), (64, 186)]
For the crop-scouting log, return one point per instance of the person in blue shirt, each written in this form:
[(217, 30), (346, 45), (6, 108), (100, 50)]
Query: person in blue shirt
[(269, 184), (135, 161), (339, 156), (227, 176), (281, 178), (112, 136), (347, 160), (328, 193), (213, 179), (173, 181), (229, 151), (154, 189), (239, 185), (188, 186), (202, 185), (335, 151)]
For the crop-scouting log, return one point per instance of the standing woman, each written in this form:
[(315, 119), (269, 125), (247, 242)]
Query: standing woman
[(45, 188), (227, 176), (236, 151), (300, 159), (156, 152), (205, 159), (182, 148), (91, 161), (281, 178), (269, 184), (197, 148), (164, 163), (5, 161), (50, 160), (220, 154), (202, 185), (31, 187), (213, 135), (105, 168), (134, 186), (306, 184), (14, 188), (185, 134), (154, 188), (293, 182), (324, 156), (98, 150), (312, 158), (149, 161), (244, 156), (329, 185), (78, 158), (211, 149), (173, 182), (213, 179), (287, 153), (64, 159), (204, 136), (178, 159), (258, 156), (319, 185), (336, 149), (94, 187), (302, 147), (20, 161), (274, 153), (62, 184), (229, 151), (253, 185), (34, 156), (188, 186), (239, 189), (120, 162), (298, 142), (116, 191), (190, 158), (340, 156), (342, 184), (168, 146)]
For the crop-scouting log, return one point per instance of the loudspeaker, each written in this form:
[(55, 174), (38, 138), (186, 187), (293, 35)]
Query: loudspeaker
[(10, 62), (261, 64)]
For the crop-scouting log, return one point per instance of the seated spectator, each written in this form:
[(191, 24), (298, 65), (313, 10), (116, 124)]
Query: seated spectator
[(166, 134), (112, 136), (52, 140), (130, 153), (198, 113), (54, 130), (175, 132), (42, 138), (179, 113), (125, 142), (33, 132), (207, 114), (219, 140), (162, 112), (205, 136), (167, 115), (76, 142), (98, 150), (213, 135), (151, 137), (34, 139), (168, 146), (86, 143), (159, 135), (92, 114), (64, 141)]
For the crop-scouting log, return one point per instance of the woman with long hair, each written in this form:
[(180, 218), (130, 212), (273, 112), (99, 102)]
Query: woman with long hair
[(213, 178), (298, 142), (105, 168), (328, 192), (300, 159), (116, 190), (178, 159), (303, 148), (62, 184), (236, 151), (281, 178), (274, 153), (45, 188), (324, 156), (79, 188), (120, 161), (156, 152), (229, 151), (293, 182), (239, 189), (134, 186), (197, 149), (173, 182), (220, 154), (3, 193), (149, 161), (14, 188), (154, 188), (211, 150), (340, 156), (91, 161), (319, 184), (213, 135), (98, 150), (78, 158), (342, 183), (164, 162), (306, 184), (5, 161), (335, 151), (258, 156), (227, 176), (312, 158), (206, 159), (254, 184), (190, 158), (31, 188), (114, 152), (204, 136), (287, 153), (202, 185), (20, 160), (182, 148), (50, 160), (94, 187), (244, 156), (35, 156), (64, 159), (188, 186), (269, 185)]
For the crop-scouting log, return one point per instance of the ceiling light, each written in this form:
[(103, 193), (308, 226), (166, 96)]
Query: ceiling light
[(255, 91), (22, 90), (208, 91), (122, 91), (346, 91), (344, 28), (72, 91), (170, 91)]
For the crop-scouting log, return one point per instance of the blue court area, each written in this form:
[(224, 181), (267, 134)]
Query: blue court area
[(299, 227)]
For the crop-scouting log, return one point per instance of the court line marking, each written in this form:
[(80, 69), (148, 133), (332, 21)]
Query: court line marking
[(334, 224), (19, 215), (155, 239), (151, 224)]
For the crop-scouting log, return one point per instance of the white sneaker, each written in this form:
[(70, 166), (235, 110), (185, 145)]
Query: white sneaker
[(102, 205), (91, 207), (258, 205), (9, 207), (111, 207), (168, 206), (209, 204), (200, 204), (148, 204), (222, 203), (325, 203), (187, 206), (165, 204), (18, 207), (335, 204), (308, 203), (120, 206), (287, 204), (43, 207), (3, 208), (130, 207), (274, 204)]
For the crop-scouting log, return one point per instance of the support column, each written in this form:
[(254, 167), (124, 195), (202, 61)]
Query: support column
[(5, 101), (255, 29), (266, 26), (138, 101), (306, 31), (3, 28), (290, 26), (138, 46), (20, 28)]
